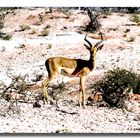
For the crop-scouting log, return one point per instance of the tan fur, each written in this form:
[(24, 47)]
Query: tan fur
[(71, 67)]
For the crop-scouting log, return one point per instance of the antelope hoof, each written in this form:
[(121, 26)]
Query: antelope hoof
[(45, 100), (80, 105), (84, 106)]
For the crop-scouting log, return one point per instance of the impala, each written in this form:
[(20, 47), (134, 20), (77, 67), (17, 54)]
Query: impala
[(72, 67)]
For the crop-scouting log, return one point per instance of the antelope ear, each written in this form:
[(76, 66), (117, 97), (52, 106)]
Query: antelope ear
[(100, 47)]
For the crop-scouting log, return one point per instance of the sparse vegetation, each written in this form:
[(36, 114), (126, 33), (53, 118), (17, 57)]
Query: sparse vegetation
[(18, 83), (58, 89), (1, 24), (113, 84), (4, 36), (135, 18), (49, 46), (24, 27), (6, 9), (94, 24), (45, 32), (15, 91), (7, 37), (105, 12), (26, 54), (33, 31)]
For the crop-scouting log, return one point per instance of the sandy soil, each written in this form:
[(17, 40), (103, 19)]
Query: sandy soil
[(27, 51)]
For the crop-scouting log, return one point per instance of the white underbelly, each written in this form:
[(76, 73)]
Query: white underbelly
[(66, 71)]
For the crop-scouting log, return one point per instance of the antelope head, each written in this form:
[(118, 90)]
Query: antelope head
[(96, 47)]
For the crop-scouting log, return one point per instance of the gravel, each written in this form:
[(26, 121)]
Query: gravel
[(63, 115), (48, 120)]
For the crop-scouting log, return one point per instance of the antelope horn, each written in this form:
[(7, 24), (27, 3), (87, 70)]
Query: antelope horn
[(98, 43), (87, 41), (101, 34)]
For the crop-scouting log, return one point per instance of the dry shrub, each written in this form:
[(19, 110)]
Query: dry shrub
[(24, 27), (44, 32), (15, 91), (113, 84), (94, 23)]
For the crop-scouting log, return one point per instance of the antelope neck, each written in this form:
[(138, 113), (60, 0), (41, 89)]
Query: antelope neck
[(92, 60)]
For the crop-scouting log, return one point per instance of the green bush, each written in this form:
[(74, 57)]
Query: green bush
[(135, 18), (113, 84)]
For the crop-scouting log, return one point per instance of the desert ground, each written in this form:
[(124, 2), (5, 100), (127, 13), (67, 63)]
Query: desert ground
[(38, 34)]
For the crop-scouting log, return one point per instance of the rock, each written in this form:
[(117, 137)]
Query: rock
[(137, 117), (131, 106)]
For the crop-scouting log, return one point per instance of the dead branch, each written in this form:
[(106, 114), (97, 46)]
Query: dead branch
[(94, 24)]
